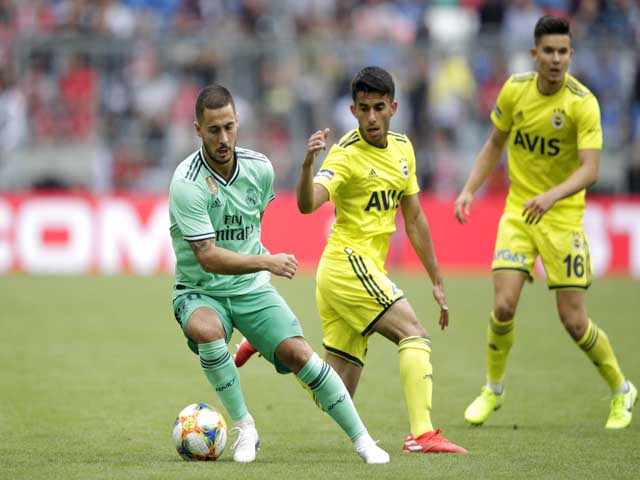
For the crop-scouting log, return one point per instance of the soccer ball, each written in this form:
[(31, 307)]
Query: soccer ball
[(200, 432)]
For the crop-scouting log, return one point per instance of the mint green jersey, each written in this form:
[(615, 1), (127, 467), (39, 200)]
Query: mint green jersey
[(203, 205)]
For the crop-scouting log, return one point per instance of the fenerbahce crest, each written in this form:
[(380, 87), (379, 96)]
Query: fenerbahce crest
[(577, 242), (557, 119), (404, 166)]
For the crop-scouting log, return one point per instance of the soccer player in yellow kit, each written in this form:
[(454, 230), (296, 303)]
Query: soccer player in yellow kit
[(551, 123), (367, 175)]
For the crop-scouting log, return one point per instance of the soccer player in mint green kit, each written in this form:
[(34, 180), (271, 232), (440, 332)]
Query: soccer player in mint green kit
[(217, 199)]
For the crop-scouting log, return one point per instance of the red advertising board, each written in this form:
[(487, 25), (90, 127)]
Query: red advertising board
[(79, 233)]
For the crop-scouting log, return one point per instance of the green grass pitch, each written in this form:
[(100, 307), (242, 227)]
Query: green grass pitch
[(94, 369)]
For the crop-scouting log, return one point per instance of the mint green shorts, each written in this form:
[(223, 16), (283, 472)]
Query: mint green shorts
[(262, 316)]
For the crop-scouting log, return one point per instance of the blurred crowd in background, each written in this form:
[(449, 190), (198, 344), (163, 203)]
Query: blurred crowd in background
[(99, 94)]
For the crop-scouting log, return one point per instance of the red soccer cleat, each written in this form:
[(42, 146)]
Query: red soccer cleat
[(244, 353), (431, 442)]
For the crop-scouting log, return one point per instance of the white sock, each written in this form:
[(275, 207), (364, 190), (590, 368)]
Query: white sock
[(495, 387), (363, 441), (623, 389), (248, 420)]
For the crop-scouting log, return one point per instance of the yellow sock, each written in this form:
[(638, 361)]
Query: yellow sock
[(595, 344), (500, 337), (416, 375)]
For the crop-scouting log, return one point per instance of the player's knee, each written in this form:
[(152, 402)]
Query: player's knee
[(413, 329), (400, 322), (204, 328), (576, 329), (294, 353), (504, 311), (400, 331), (574, 323)]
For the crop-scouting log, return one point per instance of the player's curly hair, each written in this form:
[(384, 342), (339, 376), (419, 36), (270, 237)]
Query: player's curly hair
[(373, 79), (213, 97), (550, 25)]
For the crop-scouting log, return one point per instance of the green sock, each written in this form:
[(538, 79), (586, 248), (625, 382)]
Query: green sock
[(222, 374), (310, 392), (328, 389)]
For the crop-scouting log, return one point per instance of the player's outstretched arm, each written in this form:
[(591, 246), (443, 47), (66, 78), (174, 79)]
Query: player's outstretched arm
[(486, 163), (311, 196), (419, 234), (585, 176), (227, 262)]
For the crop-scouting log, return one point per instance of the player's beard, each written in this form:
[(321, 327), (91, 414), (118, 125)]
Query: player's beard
[(215, 159)]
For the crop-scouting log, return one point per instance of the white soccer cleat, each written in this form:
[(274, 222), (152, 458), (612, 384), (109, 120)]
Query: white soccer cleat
[(372, 454), (247, 443)]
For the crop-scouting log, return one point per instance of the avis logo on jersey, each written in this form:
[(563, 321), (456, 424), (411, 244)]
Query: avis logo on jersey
[(384, 200), (537, 143)]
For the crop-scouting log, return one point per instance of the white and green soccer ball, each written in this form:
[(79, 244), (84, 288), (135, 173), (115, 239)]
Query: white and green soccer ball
[(200, 432)]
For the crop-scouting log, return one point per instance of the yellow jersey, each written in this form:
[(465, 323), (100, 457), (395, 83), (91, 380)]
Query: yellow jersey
[(366, 184), (545, 134)]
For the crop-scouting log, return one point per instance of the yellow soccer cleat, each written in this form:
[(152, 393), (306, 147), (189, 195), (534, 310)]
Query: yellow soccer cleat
[(480, 409), (621, 407)]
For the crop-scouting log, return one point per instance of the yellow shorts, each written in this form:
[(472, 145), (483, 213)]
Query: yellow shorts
[(352, 295), (563, 249)]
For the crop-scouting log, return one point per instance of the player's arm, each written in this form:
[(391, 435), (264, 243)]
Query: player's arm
[(419, 234), (222, 261), (310, 196), (188, 206), (584, 176), (485, 164)]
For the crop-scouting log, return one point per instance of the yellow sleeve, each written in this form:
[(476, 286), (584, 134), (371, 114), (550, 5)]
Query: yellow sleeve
[(412, 181), (588, 127), (334, 170), (502, 113)]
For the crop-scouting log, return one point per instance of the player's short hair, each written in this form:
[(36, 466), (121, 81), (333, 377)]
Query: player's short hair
[(373, 79), (550, 25), (213, 97)]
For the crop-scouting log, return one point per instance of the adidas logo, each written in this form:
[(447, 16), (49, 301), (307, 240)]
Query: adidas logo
[(373, 174), (217, 203)]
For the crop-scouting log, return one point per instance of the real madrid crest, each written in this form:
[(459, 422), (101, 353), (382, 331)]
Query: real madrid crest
[(212, 185), (557, 119), (252, 196)]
